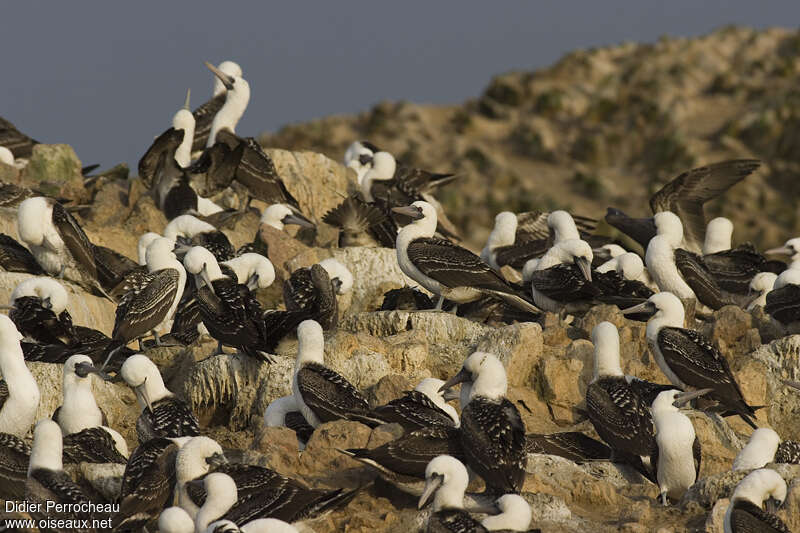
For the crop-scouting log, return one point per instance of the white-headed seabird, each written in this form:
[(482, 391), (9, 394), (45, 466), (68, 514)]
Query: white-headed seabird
[(79, 409), (687, 358), (447, 269), (420, 408), (745, 512), (58, 242), (685, 196), (363, 223), (14, 140), (188, 230), (204, 115), (230, 313), (514, 514), (195, 459), (47, 481), (314, 289), (492, 432), (678, 453), (719, 233), (783, 301), (619, 415), (322, 394), (39, 310), (563, 276), (175, 520), (252, 270), (284, 412), (151, 304), (148, 485), (764, 447), (515, 239), (163, 414), (358, 156), (761, 284), (237, 96), (446, 480)]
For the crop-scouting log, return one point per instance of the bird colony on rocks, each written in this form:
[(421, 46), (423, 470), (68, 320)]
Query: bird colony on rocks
[(248, 339)]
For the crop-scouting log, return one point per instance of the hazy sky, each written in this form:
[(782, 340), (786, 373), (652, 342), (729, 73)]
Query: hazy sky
[(106, 77)]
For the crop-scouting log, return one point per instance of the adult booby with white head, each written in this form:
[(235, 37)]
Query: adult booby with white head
[(58, 242), (188, 230), (446, 480), (38, 307), (492, 432), (447, 269), (163, 414), (204, 115), (745, 512), (686, 357)]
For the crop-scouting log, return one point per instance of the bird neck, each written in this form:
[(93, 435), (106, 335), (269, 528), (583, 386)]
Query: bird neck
[(515, 515), (46, 453), (660, 260), (228, 116), (275, 415), (423, 228), (216, 505), (80, 407), (450, 495)]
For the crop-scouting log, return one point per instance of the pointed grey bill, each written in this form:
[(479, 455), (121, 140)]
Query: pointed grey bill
[(585, 266), (206, 279), (226, 80), (771, 505), (450, 395), (431, 486), (141, 392), (793, 384), (462, 376), (644, 307), (188, 97), (252, 282), (83, 369), (412, 211), (297, 220), (216, 459), (686, 397), (783, 250)]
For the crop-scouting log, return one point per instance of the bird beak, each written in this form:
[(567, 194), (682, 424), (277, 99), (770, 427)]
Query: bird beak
[(451, 394), (216, 459), (46, 303), (461, 377), (252, 283), (793, 384), (411, 211), (771, 505), (226, 80), (685, 397), (188, 97), (647, 308), (783, 250), (206, 279), (430, 489), (337, 284), (365, 159), (84, 369), (585, 267), (141, 392), (297, 220)]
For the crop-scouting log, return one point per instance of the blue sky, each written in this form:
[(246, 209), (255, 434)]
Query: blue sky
[(106, 77)]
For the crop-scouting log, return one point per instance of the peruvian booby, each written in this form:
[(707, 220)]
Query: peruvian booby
[(96, 445), (148, 484), (444, 268), (759, 450), (187, 230), (322, 394), (685, 196), (515, 239), (176, 520), (163, 413), (513, 514), (783, 301), (745, 511), (572, 445), (719, 233), (142, 244), (790, 248), (788, 452), (58, 242), (678, 453), (619, 415), (14, 140), (563, 275), (276, 216), (204, 115), (237, 96), (19, 395), (88, 341), (39, 310), (363, 223), (687, 358), (229, 311), (79, 409), (251, 270), (420, 408), (195, 459), (492, 432), (446, 480), (358, 156), (221, 495), (630, 266), (314, 289), (47, 481), (761, 284), (607, 252), (19, 400), (402, 462), (151, 304), (16, 258), (284, 412)]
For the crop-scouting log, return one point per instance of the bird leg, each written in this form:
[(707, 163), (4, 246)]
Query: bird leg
[(61, 272), (219, 350), (156, 338), (664, 498), (141, 346)]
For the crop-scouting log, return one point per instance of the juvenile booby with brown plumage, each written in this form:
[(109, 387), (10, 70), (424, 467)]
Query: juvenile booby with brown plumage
[(687, 358), (685, 195), (492, 432), (444, 268), (58, 242), (163, 413), (322, 394), (745, 512), (38, 307)]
